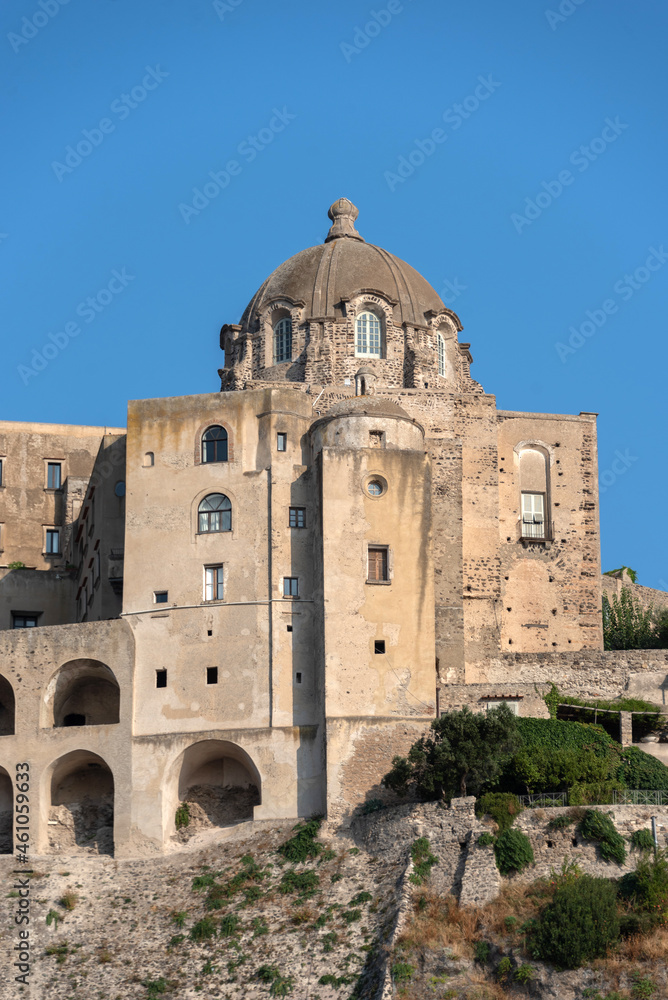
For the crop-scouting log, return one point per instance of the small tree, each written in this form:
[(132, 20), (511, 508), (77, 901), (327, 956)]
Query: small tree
[(579, 924), (462, 752), (626, 624)]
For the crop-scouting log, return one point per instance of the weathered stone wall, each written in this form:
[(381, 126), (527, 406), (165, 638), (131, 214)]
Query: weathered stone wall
[(645, 596)]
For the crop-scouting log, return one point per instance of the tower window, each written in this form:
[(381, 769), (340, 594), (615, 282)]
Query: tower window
[(533, 515), (298, 677), (214, 444), (53, 541), (212, 675), (53, 475), (160, 596), (377, 564), (149, 459), (281, 441), (440, 349), (297, 517), (379, 646), (161, 678), (283, 341), (215, 513), (213, 583), (290, 586), (367, 336)]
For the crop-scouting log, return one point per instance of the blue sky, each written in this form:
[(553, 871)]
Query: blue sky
[(541, 198)]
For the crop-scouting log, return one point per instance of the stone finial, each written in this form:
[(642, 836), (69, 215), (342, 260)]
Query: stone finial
[(343, 214)]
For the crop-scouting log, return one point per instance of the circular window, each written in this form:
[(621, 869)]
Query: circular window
[(375, 486), (119, 488)]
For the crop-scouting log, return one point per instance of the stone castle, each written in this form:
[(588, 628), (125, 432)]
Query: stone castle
[(252, 599)]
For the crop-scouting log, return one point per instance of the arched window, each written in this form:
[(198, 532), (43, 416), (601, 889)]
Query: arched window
[(440, 347), (215, 513), (367, 336), (283, 340), (214, 444)]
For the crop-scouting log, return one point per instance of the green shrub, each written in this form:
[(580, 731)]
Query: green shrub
[(361, 897), (203, 929), (486, 839), (182, 816), (350, 916), (504, 968), (503, 807), (155, 987), (423, 861), (594, 793), (281, 986), (372, 806), (646, 891), (580, 923), (513, 851), (267, 973), (642, 839), (303, 844), (178, 917), (638, 769), (525, 973), (598, 826), (643, 987), (229, 925), (559, 822), (303, 883), (482, 952), (402, 972)]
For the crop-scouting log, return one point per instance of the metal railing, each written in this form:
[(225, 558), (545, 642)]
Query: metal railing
[(544, 800), (640, 797), (530, 530)]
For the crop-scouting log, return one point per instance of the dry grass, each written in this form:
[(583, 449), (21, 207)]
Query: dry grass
[(440, 922), (515, 900)]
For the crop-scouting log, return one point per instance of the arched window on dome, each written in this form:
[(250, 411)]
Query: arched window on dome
[(214, 444), (283, 340), (214, 513), (368, 336), (440, 349)]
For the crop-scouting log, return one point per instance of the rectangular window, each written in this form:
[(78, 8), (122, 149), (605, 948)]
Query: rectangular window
[(298, 677), (53, 541), (290, 586), (379, 646), (281, 441), (376, 439), (297, 517), (2, 469), (512, 704), (213, 583), (24, 621), (533, 515), (212, 675), (377, 564), (161, 678), (53, 475), (160, 596)]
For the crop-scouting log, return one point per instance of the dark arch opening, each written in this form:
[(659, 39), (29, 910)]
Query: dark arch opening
[(6, 812), (219, 782), (7, 708), (82, 805), (85, 693)]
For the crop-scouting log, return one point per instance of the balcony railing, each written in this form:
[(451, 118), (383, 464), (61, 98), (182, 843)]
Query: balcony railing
[(534, 529)]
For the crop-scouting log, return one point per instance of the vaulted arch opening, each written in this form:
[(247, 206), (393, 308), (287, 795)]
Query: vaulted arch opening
[(218, 781), (7, 708), (81, 814), (6, 812), (82, 693)]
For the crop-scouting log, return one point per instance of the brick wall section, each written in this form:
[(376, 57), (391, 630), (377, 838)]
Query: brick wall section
[(646, 596)]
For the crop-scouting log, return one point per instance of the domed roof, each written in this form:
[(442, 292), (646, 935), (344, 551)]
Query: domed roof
[(322, 276), (370, 406)]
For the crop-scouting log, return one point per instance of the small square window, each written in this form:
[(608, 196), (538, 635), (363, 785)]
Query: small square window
[(53, 475), (290, 586), (376, 439), (212, 675), (161, 678), (281, 441), (298, 677), (209, 631), (297, 517), (289, 628), (160, 596), (379, 646), (53, 541)]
